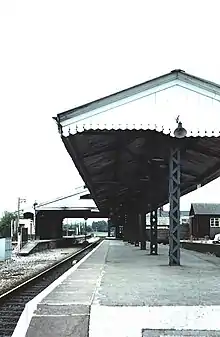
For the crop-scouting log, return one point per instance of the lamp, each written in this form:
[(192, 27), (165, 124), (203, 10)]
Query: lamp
[(180, 132)]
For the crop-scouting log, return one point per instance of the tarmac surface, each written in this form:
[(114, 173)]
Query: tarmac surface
[(120, 290)]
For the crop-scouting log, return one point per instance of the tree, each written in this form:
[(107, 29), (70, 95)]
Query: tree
[(88, 229), (5, 223), (100, 226)]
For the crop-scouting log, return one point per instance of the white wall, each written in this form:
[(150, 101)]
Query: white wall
[(29, 225)]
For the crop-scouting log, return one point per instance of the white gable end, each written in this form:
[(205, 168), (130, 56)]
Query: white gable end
[(196, 111)]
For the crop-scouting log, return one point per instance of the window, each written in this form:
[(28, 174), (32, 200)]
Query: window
[(214, 222)]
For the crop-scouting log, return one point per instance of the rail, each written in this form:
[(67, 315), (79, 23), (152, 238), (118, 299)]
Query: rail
[(13, 302)]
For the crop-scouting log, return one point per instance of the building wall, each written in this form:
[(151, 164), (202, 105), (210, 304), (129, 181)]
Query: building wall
[(165, 220), (48, 226), (163, 228), (201, 226), (161, 220), (213, 231), (26, 223)]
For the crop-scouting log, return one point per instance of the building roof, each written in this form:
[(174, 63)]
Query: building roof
[(205, 208)]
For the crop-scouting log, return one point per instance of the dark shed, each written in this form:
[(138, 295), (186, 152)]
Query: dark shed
[(204, 220)]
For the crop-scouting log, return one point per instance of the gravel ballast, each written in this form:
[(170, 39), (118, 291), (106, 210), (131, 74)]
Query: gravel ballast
[(21, 268)]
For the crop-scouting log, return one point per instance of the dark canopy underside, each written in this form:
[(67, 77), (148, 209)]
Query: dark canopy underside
[(129, 169)]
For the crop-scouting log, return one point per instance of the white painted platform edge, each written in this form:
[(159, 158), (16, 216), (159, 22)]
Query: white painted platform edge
[(131, 320), (31, 306)]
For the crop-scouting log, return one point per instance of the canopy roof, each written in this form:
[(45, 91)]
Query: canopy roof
[(130, 168)]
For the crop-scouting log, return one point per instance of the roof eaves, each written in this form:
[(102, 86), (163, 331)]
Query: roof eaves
[(80, 128)]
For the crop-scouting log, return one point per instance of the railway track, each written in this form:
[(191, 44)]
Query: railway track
[(12, 303)]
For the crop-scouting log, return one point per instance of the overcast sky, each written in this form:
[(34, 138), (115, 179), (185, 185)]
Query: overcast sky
[(56, 55)]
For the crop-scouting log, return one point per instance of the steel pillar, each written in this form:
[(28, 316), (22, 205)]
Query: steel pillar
[(174, 200), (153, 232), (131, 228), (125, 229), (117, 234), (142, 230), (143, 245), (125, 236), (109, 227)]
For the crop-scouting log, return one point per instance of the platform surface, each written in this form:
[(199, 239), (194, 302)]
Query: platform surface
[(120, 290)]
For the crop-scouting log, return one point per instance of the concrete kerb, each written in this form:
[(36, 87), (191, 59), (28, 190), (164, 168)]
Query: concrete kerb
[(31, 306)]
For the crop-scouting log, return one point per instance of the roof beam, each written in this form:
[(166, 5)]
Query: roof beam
[(209, 175), (188, 173), (86, 196), (207, 152), (100, 150)]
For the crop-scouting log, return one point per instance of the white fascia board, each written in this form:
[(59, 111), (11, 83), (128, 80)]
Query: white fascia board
[(77, 194), (199, 91), (203, 87)]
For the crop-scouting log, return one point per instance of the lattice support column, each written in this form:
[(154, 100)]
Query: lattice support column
[(153, 232), (174, 199)]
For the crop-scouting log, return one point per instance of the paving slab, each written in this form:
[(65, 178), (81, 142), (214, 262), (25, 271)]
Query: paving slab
[(120, 290), (60, 326), (140, 294), (56, 310), (179, 333), (65, 310), (132, 277)]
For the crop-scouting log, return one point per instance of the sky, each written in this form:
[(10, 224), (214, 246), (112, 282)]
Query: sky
[(56, 55)]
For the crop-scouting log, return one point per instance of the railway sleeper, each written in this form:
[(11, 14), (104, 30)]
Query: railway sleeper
[(12, 308), (5, 333)]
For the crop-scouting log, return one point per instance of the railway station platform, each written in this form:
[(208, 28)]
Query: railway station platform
[(120, 290)]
